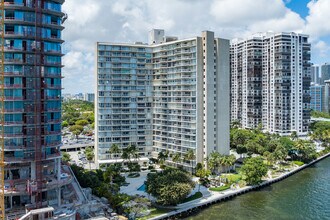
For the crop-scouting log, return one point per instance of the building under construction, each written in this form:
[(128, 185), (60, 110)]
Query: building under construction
[(31, 175)]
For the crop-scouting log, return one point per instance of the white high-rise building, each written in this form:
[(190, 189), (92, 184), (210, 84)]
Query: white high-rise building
[(171, 95), (271, 73)]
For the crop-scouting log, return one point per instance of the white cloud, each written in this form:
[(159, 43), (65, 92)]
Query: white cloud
[(130, 20), (246, 12), (321, 49), (318, 18)]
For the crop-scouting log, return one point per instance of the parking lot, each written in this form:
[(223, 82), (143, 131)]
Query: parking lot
[(80, 159)]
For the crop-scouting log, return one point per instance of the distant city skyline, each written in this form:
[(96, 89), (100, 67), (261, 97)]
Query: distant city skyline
[(129, 21)]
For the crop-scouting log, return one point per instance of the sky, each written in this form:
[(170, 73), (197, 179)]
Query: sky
[(91, 21)]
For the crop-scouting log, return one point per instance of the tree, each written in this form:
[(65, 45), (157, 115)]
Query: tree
[(169, 187), (231, 159), (128, 153), (190, 156), (202, 173), (109, 173), (176, 158), (174, 193), (89, 152), (114, 149), (136, 207), (125, 155), (76, 130), (162, 156), (280, 153), (253, 170), (269, 157), (213, 161), (241, 150), (82, 122), (66, 157)]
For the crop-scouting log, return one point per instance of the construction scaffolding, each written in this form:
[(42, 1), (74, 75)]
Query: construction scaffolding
[(2, 121)]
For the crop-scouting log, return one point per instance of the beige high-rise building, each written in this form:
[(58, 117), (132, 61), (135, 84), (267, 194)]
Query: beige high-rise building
[(170, 95)]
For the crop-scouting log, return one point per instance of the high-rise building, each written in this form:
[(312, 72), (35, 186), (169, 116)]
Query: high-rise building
[(89, 97), (246, 81), (31, 174), (320, 97), (315, 74), (316, 92), (171, 95), (325, 73), (270, 77)]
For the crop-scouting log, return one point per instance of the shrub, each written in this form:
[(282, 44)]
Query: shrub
[(241, 183), (162, 166), (151, 167)]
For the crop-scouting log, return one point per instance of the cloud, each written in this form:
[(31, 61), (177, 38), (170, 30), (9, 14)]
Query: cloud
[(318, 18), (321, 49), (91, 21), (246, 12)]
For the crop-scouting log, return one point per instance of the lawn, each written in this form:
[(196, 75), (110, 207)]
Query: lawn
[(299, 163), (197, 195), (232, 178), (218, 189), (155, 212)]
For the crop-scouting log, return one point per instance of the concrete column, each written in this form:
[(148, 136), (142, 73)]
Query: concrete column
[(58, 169), (59, 196), (11, 201), (33, 170)]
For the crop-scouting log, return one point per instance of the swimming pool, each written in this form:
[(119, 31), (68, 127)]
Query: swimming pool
[(142, 188)]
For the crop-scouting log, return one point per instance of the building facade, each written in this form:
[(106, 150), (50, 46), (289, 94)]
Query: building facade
[(315, 74), (89, 97), (246, 81), (325, 73), (270, 74), (171, 95), (316, 93), (31, 105)]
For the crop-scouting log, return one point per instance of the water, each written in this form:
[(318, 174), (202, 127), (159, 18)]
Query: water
[(142, 188), (305, 195)]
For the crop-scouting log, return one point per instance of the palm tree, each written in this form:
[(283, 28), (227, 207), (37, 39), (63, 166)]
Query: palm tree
[(224, 162), (89, 156), (299, 147), (162, 157), (109, 173), (125, 155), (133, 151), (231, 160), (114, 149), (213, 161), (190, 156), (176, 158)]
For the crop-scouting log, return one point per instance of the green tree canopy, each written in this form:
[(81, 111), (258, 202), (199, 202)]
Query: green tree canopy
[(169, 187), (253, 170)]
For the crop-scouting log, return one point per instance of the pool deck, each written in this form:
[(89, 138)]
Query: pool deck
[(134, 184)]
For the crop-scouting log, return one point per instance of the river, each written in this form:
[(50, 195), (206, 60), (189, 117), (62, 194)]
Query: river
[(305, 195)]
